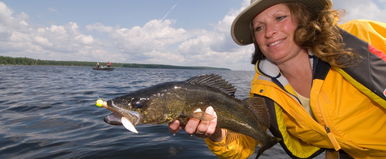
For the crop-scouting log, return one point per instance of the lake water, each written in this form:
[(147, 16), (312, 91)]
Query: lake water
[(50, 112)]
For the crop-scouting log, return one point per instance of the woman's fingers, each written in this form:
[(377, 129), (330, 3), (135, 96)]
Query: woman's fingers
[(207, 127), (192, 125), (174, 126), (201, 128), (212, 123)]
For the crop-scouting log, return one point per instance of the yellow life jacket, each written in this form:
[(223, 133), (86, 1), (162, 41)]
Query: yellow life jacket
[(373, 32), (345, 118)]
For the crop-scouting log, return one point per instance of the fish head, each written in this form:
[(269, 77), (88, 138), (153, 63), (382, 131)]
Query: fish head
[(147, 106), (130, 106), (125, 112)]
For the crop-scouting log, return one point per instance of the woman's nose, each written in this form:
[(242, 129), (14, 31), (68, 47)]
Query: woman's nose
[(270, 30)]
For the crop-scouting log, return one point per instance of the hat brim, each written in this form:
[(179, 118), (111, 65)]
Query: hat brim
[(241, 31)]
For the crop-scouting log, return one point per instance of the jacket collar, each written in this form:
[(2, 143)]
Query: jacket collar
[(271, 70)]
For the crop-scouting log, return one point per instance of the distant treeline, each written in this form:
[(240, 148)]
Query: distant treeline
[(5, 60)]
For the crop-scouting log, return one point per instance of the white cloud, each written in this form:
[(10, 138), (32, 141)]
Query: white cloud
[(359, 9), (59, 42), (5, 12), (144, 44), (43, 41), (85, 39), (157, 41)]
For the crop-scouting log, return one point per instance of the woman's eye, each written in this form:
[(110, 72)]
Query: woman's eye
[(279, 18), (258, 28)]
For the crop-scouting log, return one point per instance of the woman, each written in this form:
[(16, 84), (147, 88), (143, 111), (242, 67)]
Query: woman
[(312, 76)]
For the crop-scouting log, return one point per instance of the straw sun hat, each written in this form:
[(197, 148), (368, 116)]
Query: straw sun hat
[(241, 32)]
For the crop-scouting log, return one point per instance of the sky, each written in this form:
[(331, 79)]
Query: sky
[(172, 32)]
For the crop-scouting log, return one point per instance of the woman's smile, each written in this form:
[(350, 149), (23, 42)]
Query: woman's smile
[(275, 43)]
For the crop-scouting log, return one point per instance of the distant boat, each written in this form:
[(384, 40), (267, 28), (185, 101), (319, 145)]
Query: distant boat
[(103, 68)]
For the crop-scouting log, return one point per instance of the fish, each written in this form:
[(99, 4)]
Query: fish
[(178, 100)]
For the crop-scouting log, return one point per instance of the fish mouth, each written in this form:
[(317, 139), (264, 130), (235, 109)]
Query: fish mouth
[(120, 116), (113, 119)]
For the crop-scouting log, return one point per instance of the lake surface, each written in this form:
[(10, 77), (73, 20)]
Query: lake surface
[(50, 112)]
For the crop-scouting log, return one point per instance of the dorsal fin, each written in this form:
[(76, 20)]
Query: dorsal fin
[(213, 81)]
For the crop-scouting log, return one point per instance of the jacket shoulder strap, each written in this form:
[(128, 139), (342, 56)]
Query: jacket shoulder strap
[(369, 74)]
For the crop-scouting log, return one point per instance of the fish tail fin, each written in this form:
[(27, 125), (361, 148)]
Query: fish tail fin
[(273, 141)]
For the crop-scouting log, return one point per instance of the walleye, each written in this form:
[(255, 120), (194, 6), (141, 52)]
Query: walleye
[(169, 101)]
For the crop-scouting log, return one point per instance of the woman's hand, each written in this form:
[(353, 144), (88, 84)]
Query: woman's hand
[(199, 127)]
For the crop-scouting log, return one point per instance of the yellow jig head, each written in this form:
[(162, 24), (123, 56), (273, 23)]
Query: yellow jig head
[(100, 103)]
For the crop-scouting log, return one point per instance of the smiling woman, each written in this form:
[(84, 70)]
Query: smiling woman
[(308, 70)]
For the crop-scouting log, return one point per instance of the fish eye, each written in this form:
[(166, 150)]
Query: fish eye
[(138, 103)]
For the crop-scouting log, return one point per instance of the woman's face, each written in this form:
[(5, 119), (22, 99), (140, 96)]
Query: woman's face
[(274, 30)]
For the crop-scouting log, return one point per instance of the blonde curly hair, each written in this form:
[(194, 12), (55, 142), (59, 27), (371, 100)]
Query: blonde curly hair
[(318, 33)]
